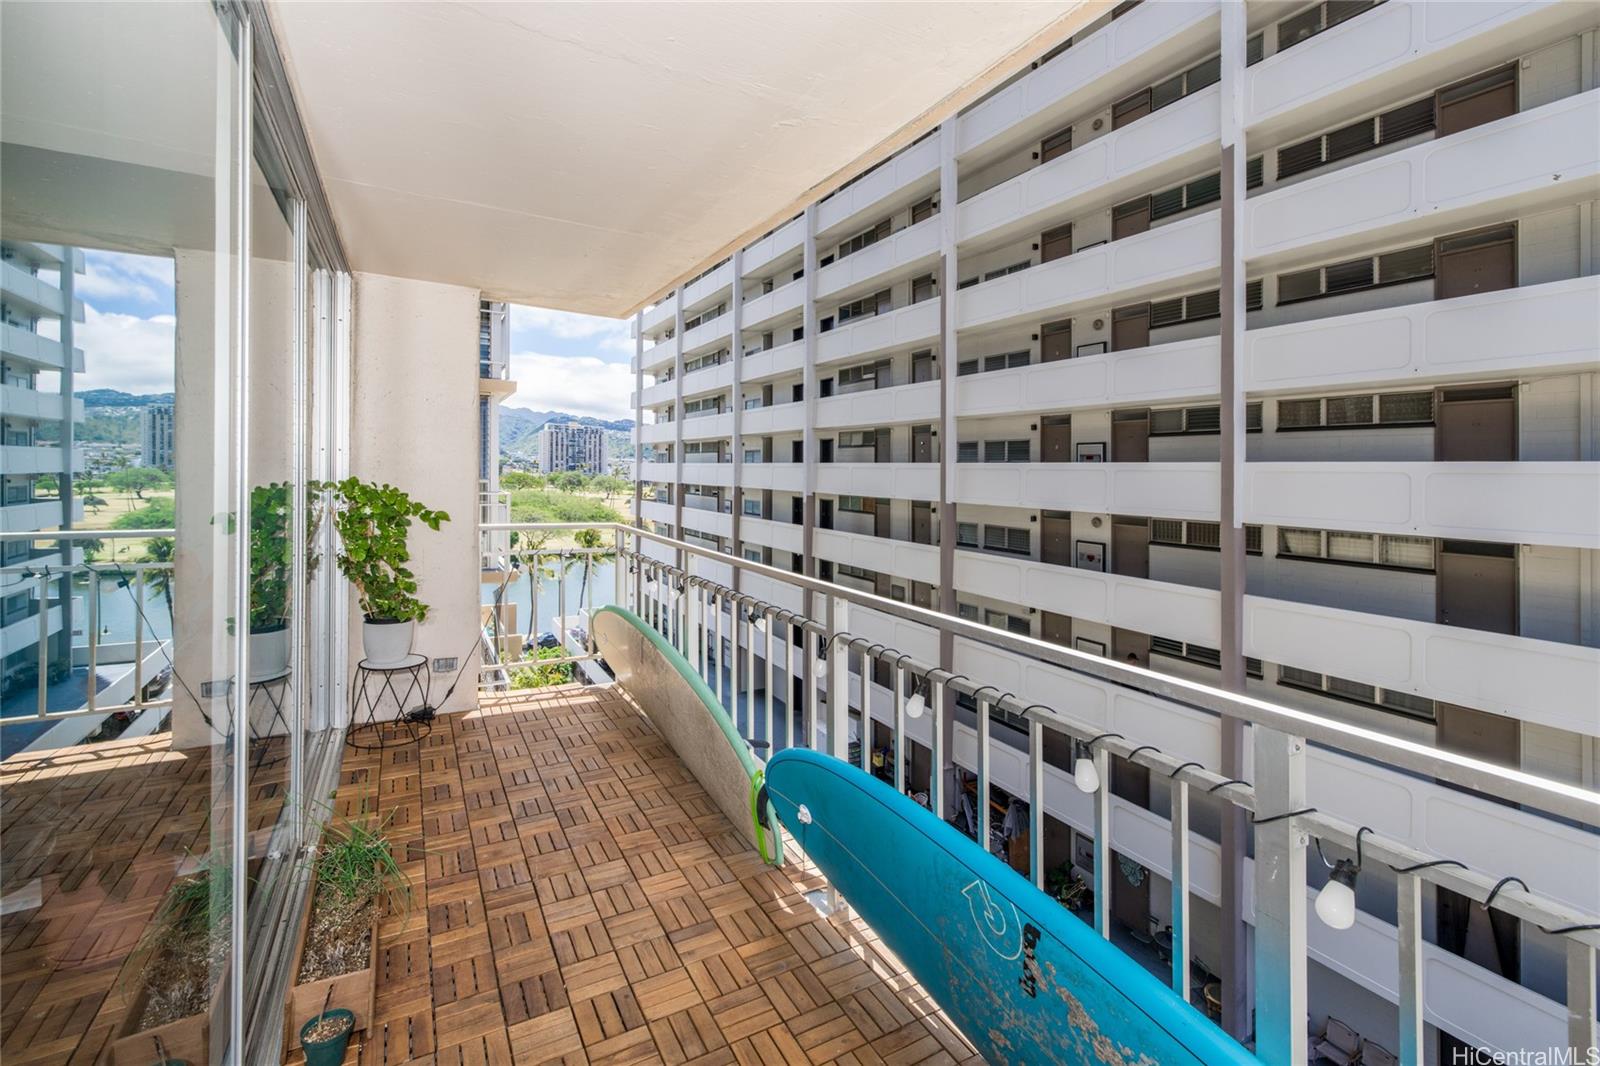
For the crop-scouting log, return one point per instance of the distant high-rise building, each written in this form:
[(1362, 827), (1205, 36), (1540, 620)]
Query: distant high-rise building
[(569, 446), (494, 385), (40, 416), (155, 436)]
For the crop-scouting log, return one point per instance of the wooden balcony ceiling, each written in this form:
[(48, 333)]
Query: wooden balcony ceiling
[(579, 899)]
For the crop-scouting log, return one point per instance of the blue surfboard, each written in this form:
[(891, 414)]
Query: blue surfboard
[(1024, 980)]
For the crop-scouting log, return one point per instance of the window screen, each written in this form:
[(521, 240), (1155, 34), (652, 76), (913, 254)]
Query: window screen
[(1166, 531), (1349, 410), (1350, 547), (1300, 285), (1202, 534), (1403, 407), (1299, 414), (1407, 264), (967, 451), (1166, 423), (1414, 552), (1306, 543), (967, 534)]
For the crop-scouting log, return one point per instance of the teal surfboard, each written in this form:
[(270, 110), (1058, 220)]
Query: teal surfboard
[(686, 712), (1026, 981)]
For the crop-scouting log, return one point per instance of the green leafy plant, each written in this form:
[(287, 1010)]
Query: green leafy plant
[(374, 524), (356, 862), (544, 674), (1067, 888), (271, 556)]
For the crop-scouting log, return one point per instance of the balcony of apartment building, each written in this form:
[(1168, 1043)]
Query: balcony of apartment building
[(577, 892)]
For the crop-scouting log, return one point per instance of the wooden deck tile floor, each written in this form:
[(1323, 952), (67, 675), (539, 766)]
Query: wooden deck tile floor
[(579, 899), (90, 839)]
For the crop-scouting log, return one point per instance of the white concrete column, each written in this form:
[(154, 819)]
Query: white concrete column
[(736, 305), (1233, 961), (638, 457), (677, 422), (947, 356)]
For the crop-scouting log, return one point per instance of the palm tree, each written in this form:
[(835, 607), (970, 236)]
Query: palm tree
[(589, 538), (160, 550)]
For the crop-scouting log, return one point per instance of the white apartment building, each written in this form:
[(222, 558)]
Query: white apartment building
[(38, 413), (155, 436), (570, 446), (994, 374)]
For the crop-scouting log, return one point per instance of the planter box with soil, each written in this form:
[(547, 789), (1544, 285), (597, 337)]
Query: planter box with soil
[(355, 883), (180, 980)]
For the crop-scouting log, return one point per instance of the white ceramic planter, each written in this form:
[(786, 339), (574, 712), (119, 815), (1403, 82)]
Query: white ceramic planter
[(269, 653), (386, 643)]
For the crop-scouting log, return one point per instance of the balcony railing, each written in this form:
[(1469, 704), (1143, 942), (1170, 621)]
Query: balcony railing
[(115, 635), (751, 650)]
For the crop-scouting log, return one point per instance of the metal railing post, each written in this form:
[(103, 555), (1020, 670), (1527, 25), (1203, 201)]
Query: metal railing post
[(899, 728), (1581, 992), (1408, 935), (838, 680), (1280, 897), (1102, 841), (1180, 887), (1036, 802)]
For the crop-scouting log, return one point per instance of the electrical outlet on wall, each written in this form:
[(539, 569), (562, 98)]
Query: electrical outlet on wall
[(444, 666)]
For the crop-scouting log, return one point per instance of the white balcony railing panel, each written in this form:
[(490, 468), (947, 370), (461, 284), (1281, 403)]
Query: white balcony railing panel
[(659, 472), (897, 558), (703, 289), (1118, 272), (902, 328), (717, 475), (779, 418), (913, 246), (1512, 165), (785, 477), (708, 380), (659, 393), (853, 203), (656, 511), (1538, 681), (1179, 370), (786, 536), (1173, 142), (781, 241), (1541, 327), (770, 306), (1519, 502), (780, 359), (779, 593), (658, 432), (1179, 612), (707, 427), (1163, 490), (713, 523), (1124, 55), (707, 334), (659, 355), (1389, 52), (881, 407), (905, 481)]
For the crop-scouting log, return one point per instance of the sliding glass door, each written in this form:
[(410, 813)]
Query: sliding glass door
[(170, 399)]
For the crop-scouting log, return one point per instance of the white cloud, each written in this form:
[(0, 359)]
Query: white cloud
[(576, 384), (127, 352), (117, 276), (608, 334)]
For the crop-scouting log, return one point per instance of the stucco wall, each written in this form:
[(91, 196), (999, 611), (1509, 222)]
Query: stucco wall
[(414, 424)]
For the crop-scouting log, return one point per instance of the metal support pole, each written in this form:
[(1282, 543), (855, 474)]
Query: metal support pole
[(838, 679), (1180, 887), (983, 775), (1102, 842), (1036, 802), (769, 736), (899, 745), (1408, 933), (1280, 898), (619, 593), (1581, 998)]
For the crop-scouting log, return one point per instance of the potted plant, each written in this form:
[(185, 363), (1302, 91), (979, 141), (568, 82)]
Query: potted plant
[(178, 961), (356, 880), (271, 567), (374, 524)]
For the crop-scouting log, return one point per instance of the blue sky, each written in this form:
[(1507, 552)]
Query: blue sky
[(561, 362)]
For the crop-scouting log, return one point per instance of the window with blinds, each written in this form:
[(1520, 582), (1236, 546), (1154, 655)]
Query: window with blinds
[(1388, 127), (1318, 18), (967, 534), (1201, 420), (1005, 361), (1368, 549), (1355, 275), (1180, 198), (853, 504), (865, 307), (1007, 539), (1356, 692), (1005, 451), (864, 238), (967, 451), (1360, 411), (858, 438)]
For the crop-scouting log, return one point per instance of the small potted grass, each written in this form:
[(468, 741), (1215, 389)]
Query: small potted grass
[(179, 963), (356, 880)]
